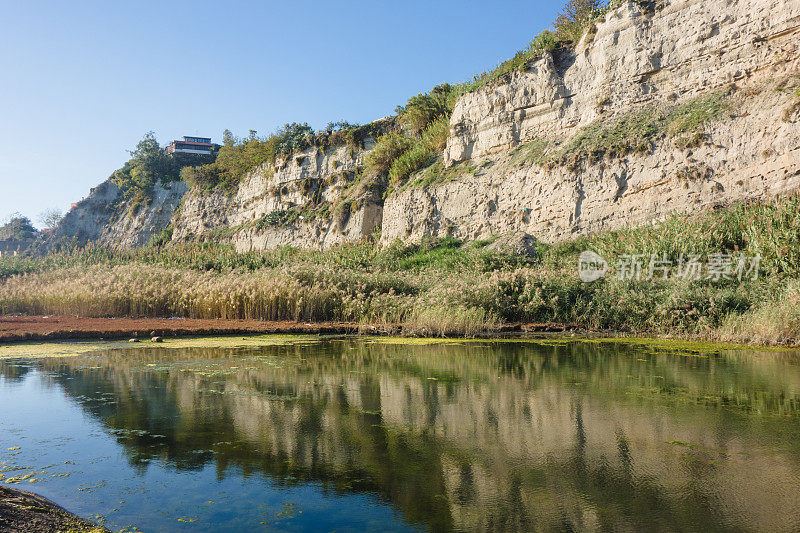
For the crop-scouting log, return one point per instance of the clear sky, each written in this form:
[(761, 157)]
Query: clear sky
[(81, 82)]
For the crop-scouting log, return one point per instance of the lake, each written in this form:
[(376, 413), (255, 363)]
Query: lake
[(347, 434)]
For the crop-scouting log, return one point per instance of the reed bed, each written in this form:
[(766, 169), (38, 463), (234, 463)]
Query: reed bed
[(439, 286)]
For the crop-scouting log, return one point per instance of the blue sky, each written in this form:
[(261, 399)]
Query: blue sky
[(81, 82)]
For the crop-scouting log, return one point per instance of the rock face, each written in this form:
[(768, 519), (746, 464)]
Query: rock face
[(679, 50), (636, 60), (104, 217), (242, 217), (533, 153), (516, 243)]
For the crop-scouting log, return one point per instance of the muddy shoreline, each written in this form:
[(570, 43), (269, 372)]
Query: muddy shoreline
[(26, 512), (39, 328)]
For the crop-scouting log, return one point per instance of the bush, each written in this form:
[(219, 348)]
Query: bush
[(425, 108), (388, 148), (409, 162), (575, 18), (422, 153), (162, 238), (547, 41), (18, 228), (148, 164), (293, 137)]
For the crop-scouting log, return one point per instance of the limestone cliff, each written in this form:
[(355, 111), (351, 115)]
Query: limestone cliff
[(736, 56), (104, 217), (288, 204), (670, 106)]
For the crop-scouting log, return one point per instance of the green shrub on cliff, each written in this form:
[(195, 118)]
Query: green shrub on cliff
[(423, 109), (18, 228), (388, 148), (148, 164), (293, 138), (353, 135), (574, 19), (425, 118), (422, 152)]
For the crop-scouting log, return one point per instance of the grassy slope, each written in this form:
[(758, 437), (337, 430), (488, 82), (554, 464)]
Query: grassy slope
[(441, 286)]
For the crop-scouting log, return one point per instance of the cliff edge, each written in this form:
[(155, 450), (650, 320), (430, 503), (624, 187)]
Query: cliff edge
[(661, 107)]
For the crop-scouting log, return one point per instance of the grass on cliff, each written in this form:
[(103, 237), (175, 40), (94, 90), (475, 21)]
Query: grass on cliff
[(575, 19), (441, 286), (634, 132)]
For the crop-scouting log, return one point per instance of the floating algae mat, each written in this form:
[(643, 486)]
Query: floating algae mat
[(66, 348), (313, 433)]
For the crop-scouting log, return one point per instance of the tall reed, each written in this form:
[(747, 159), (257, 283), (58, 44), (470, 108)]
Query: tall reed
[(439, 286)]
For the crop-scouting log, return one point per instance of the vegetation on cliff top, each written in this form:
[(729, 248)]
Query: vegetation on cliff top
[(442, 285), (148, 165), (18, 228), (419, 135)]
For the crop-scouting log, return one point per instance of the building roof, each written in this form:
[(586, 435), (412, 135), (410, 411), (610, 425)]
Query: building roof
[(194, 143)]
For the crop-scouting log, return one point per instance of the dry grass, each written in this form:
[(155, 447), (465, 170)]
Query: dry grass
[(774, 323), (440, 286)]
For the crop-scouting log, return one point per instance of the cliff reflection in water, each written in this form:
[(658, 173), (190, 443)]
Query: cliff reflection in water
[(479, 436)]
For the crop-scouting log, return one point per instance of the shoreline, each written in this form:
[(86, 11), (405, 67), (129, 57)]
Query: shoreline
[(25, 511), (44, 328), (22, 328)]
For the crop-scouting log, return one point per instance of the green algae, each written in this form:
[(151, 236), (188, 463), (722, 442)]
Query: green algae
[(69, 349), (688, 348), (684, 347), (418, 341)]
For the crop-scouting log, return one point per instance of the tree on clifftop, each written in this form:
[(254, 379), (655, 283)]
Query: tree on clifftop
[(50, 217), (147, 165), (18, 228)]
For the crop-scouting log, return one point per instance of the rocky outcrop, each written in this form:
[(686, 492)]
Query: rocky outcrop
[(542, 151), (104, 217), (25, 511), (636, 56), (88, 218), (636, 60), (301, 201)]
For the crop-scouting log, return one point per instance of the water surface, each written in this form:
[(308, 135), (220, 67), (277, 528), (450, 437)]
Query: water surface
[(353, 435)]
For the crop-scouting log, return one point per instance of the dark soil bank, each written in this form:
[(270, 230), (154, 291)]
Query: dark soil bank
[(38, 328), (25, 512), (30, 328)]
